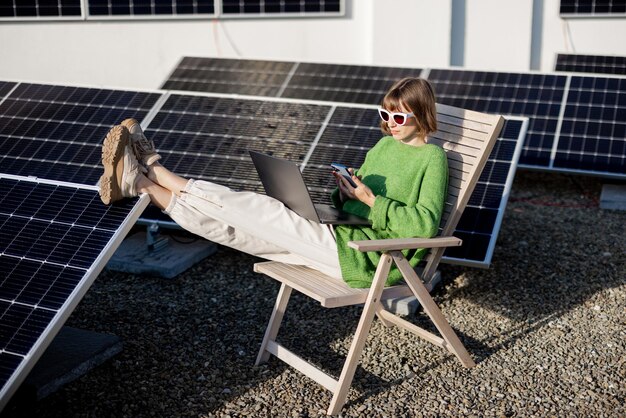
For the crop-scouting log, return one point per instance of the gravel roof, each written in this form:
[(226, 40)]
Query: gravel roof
[(545, 324)]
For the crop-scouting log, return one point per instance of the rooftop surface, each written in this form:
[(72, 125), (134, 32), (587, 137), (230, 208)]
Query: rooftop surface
[(546, 325)]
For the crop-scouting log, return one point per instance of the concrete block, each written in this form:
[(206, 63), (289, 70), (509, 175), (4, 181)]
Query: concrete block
[(168, 258), (613, 197), (70, 355), (407, 306)]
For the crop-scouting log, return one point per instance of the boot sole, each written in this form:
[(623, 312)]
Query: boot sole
[(112, 154)]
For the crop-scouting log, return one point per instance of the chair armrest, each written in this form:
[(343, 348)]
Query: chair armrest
[(404, 243)]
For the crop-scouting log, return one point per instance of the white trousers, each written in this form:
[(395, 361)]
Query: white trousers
[(255, 224)]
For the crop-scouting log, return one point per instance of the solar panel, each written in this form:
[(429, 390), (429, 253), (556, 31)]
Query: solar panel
[(209, 137), (250, 77), (581, 8), (480, 223), (343, 83), (536, 96), (281, 7), (40, 8), (150, 8), (599, 64), (55, 239), (541, 97), (5, 88), (572, 128), (125, 9), (593, 131), (310, 81), (55, 132)]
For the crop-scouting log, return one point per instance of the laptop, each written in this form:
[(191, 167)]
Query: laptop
[(283, 181)]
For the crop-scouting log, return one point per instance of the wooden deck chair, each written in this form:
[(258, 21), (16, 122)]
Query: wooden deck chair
[(467, 137)]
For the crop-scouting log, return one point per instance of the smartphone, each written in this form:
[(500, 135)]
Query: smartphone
[(343, 170)]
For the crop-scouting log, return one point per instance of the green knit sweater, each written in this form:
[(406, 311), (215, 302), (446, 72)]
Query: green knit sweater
[(410, 186)]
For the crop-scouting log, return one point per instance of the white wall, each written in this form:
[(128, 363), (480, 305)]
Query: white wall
[(411, 33), (141, 54), (497, 34)]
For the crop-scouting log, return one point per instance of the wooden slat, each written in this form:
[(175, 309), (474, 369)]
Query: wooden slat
[(453, 192), (460, 135), (302, 365), (461, 149), (467, 115), (456, 165), (330, 292), (458, 174), (456, 183), (420, 332), (404, 243), (481, 127)]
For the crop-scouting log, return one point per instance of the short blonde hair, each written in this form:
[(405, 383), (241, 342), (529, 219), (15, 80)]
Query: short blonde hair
[(417, 96)]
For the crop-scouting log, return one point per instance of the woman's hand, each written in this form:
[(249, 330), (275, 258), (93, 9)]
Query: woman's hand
[(361, 192)]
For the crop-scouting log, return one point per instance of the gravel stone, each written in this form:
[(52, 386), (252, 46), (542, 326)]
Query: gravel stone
[(545, 324)]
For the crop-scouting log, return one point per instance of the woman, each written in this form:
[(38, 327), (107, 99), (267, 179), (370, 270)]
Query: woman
[(400, 188)]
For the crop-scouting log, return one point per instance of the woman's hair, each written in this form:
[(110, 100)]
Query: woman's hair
[(415, 95)]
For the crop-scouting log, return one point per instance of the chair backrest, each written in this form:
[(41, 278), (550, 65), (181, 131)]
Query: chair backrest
[(468, 138)]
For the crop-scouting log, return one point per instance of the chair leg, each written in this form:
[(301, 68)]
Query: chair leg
[(352, 360), (432, 310), (275, 320)]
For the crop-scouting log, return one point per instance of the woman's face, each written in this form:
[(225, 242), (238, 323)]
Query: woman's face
[(407, 132)]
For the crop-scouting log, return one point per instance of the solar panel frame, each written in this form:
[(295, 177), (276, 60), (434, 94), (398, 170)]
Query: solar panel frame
[(46, 331)]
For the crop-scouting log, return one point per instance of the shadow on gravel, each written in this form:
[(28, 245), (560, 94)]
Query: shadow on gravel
[(555, 250)]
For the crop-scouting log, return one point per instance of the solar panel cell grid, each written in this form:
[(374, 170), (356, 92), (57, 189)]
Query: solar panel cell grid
[(312, 81), (150, 8), (42, 125), (592, 7), (20, 326), (537, 96), (260, 78), (280, 6), (40, 8), (209, 137), (5, 88), (593, 132), (591, 64), (51, 236)]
